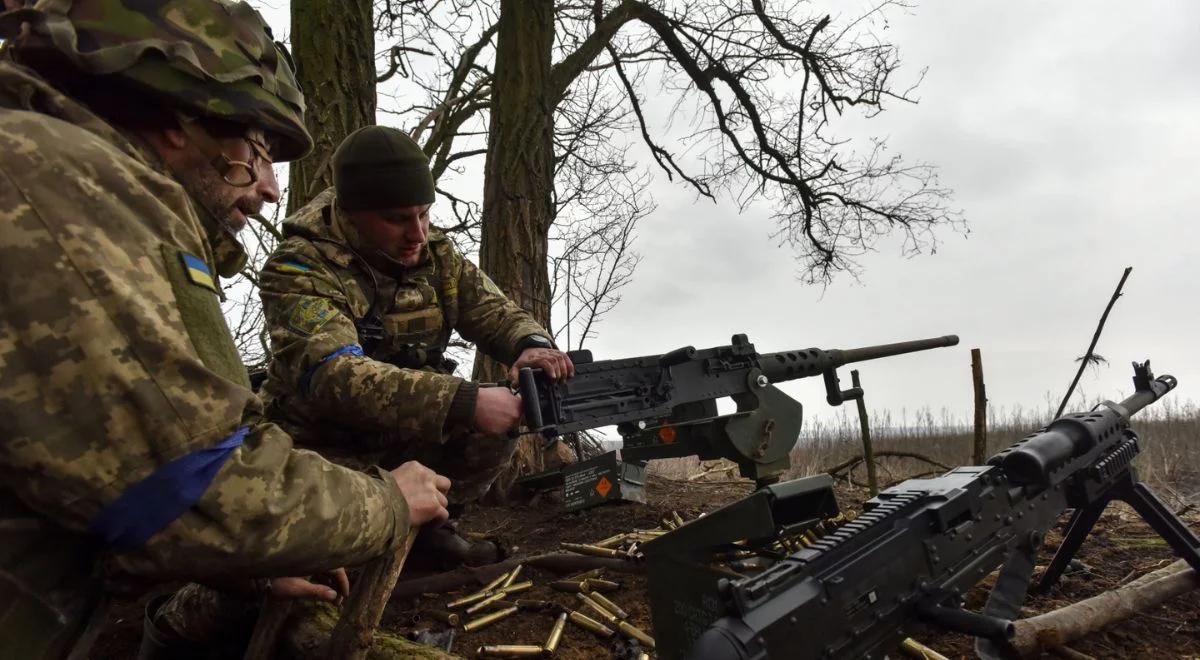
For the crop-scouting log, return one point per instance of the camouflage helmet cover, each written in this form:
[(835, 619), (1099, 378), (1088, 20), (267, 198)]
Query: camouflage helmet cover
[(213, 58)]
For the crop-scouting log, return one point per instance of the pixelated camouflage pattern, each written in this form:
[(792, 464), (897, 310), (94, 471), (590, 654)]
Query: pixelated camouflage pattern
[(102, 382), (210, 57), (314, 288)]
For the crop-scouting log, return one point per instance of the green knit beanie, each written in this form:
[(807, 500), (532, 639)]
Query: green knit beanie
[(377, 168)]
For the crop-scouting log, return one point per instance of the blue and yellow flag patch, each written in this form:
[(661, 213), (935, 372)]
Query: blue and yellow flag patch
[(310, 314), (197, 271), (292, 267)]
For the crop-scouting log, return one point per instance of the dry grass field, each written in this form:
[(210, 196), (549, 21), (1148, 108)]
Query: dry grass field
[(1169, 431)]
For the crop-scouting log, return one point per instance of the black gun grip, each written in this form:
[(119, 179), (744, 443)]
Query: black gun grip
[(531, 402)]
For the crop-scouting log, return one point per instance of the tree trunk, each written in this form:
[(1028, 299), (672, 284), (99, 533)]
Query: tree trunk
[(518, 188), (333, 43)]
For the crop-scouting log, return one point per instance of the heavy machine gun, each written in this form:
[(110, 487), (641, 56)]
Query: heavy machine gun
[(666, 405), (918, 547)]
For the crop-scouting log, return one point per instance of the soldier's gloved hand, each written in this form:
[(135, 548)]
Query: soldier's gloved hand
[(424, 490), (317, 588), (497, 410), (554, 363)]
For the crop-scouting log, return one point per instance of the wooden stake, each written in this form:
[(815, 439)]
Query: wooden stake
[(865, 426), (353, 634), (979, 456), (274, 614)]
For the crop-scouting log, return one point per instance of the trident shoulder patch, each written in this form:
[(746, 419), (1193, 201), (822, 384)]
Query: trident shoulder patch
[(197, 271), (310, 314)]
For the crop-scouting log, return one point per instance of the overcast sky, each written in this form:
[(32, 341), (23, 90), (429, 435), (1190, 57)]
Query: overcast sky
[(1070, 133)]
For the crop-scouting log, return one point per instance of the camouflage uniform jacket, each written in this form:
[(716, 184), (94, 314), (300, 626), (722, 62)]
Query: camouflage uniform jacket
[(127, 426), (316, 288)]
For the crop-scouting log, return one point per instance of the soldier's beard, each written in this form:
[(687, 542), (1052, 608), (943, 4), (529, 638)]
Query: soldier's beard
[(229, 206)]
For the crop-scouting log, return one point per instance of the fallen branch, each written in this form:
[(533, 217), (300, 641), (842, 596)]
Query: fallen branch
[(853, 462), (716, 470), (1065, 625), (555, 562)]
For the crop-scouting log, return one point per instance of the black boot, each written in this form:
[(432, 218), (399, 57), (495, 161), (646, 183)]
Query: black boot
[(161, 643), (444, 548)]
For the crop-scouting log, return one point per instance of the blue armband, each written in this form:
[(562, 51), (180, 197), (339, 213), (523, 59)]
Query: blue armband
[(151, 504)]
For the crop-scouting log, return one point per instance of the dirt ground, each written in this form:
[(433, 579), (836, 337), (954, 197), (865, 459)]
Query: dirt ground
[(1122, 548)]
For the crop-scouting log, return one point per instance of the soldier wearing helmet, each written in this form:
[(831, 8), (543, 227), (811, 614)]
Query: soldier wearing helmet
[(136, 139)]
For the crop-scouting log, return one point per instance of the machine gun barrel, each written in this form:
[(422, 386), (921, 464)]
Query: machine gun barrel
[(1037, 458), (790, 365)]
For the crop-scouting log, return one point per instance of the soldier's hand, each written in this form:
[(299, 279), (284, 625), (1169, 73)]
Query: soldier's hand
[(553, 362), (317, 588), (497, 410), (424, 490)]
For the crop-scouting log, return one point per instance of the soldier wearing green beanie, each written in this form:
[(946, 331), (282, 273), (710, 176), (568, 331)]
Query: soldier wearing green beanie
[(361, 298)]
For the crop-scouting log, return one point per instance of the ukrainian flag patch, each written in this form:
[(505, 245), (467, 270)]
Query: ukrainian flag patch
[(292, 267), (197, 271)]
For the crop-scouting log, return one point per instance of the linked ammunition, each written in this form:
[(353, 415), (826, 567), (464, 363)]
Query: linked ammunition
[(607, 616), (585, 549), (609, 605), (448, 618), (588, 623), (510, 651), (556, 632), (634, 632), (678, 518), (487, 619)]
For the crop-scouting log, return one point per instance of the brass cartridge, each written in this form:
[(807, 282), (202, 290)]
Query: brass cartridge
[(510, 651), (512, 577), (607, 616), (467, 600), (609, 605), (588, 623), (634, 632), (483, 604), (594, 551), (556, 632), (487, 619)]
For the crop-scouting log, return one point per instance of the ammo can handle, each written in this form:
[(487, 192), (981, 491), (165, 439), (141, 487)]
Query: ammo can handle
[(531, 402)]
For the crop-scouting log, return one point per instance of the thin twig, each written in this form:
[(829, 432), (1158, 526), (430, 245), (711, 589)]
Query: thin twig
[(1087, 357)]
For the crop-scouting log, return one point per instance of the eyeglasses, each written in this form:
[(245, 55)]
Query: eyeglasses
[(237, 173)]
